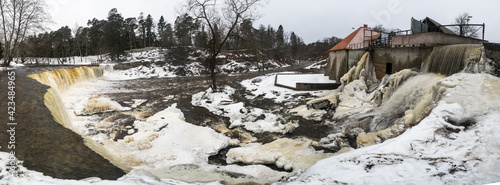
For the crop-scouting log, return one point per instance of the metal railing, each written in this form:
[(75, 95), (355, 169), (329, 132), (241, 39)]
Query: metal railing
[(385, 38)]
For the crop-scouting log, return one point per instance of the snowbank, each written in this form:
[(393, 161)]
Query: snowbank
[(253, 119), (285, 153), (291, 80), (263, 86), (161, 147), (458, 143)]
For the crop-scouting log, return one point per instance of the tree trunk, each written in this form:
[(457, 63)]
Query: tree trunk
[(212, 63)]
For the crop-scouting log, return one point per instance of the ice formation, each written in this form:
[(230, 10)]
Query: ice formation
[(253, 119), (285, 153), (456, 144)]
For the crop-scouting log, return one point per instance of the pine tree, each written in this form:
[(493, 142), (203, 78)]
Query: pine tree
[(150, 37), (161, 31), (169, 36), (113, 35), (131, 25)]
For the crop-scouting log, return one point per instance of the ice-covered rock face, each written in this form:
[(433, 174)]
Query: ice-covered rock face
[(364, 71), (457, 143)]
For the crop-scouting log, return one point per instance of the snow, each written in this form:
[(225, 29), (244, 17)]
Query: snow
[(456, 143), (28, 177), (285, 153), (433, 152), (318, 65), (264, 86), (290, 80), (220, 103), (151, 145), (163, 146)]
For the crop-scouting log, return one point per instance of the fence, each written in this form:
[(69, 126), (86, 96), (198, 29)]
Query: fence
[(466, 30)]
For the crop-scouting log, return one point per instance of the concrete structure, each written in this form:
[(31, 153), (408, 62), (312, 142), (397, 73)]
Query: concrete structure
[(388, 60), (432, 38), (403, 52), (358, 39)]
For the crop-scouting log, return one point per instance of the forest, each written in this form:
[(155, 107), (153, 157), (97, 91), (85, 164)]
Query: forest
[(117, 34)]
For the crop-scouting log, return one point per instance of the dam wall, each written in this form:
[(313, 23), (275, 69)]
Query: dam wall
[(442, 59), (432, 38)]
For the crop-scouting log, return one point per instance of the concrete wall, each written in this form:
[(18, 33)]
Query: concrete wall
[(400, 58), (432, 38), (340, 61), (337, 65), (354, 56)]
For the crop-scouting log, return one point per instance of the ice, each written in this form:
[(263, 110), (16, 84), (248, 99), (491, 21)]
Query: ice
[(285, 153), (458, 143), (264, 86), (253, 119), (290, 80)]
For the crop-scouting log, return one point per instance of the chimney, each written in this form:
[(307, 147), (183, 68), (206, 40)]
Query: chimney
[(365, 26)]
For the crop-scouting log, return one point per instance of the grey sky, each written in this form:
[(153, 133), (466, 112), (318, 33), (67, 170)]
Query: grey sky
[(310, 19)]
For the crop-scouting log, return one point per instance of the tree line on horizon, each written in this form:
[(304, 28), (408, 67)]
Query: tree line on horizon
[(117, 34)]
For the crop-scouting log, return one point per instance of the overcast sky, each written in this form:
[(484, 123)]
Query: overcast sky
[(310, 19)]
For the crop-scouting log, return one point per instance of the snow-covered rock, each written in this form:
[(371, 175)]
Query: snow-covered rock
[(458, 143)]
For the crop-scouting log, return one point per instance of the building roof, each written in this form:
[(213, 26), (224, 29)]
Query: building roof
[(440, 27), (355, 38)]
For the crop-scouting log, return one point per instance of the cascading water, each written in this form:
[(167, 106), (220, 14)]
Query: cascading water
[(448, 60), (407, 103), (60, 80)]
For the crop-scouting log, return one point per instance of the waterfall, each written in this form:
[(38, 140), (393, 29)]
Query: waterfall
[(364, 70), (448, 60), (60, 80)]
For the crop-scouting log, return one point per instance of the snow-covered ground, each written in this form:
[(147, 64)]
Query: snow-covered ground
[(220, 103), (291, 80), (458, 143), (263, 86)]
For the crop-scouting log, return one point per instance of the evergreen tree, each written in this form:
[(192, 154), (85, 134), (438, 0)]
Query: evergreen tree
[(280, 38), (96, 35), (185, 26), (294, 45), (142, 28), (162, 25), (131, 24), (247, 34), (113, 35), (150, 36), (201, 39), (169, 36)]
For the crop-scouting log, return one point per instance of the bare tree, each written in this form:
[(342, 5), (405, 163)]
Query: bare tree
[(464, 29), (221, 20), (19, 17)]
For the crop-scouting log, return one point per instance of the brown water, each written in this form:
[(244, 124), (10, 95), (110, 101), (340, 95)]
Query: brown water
[(448, 60)]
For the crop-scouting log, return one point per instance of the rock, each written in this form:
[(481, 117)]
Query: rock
[(45, 145)]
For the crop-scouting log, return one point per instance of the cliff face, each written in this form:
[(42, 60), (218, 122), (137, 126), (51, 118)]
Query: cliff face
[(43, 144)]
